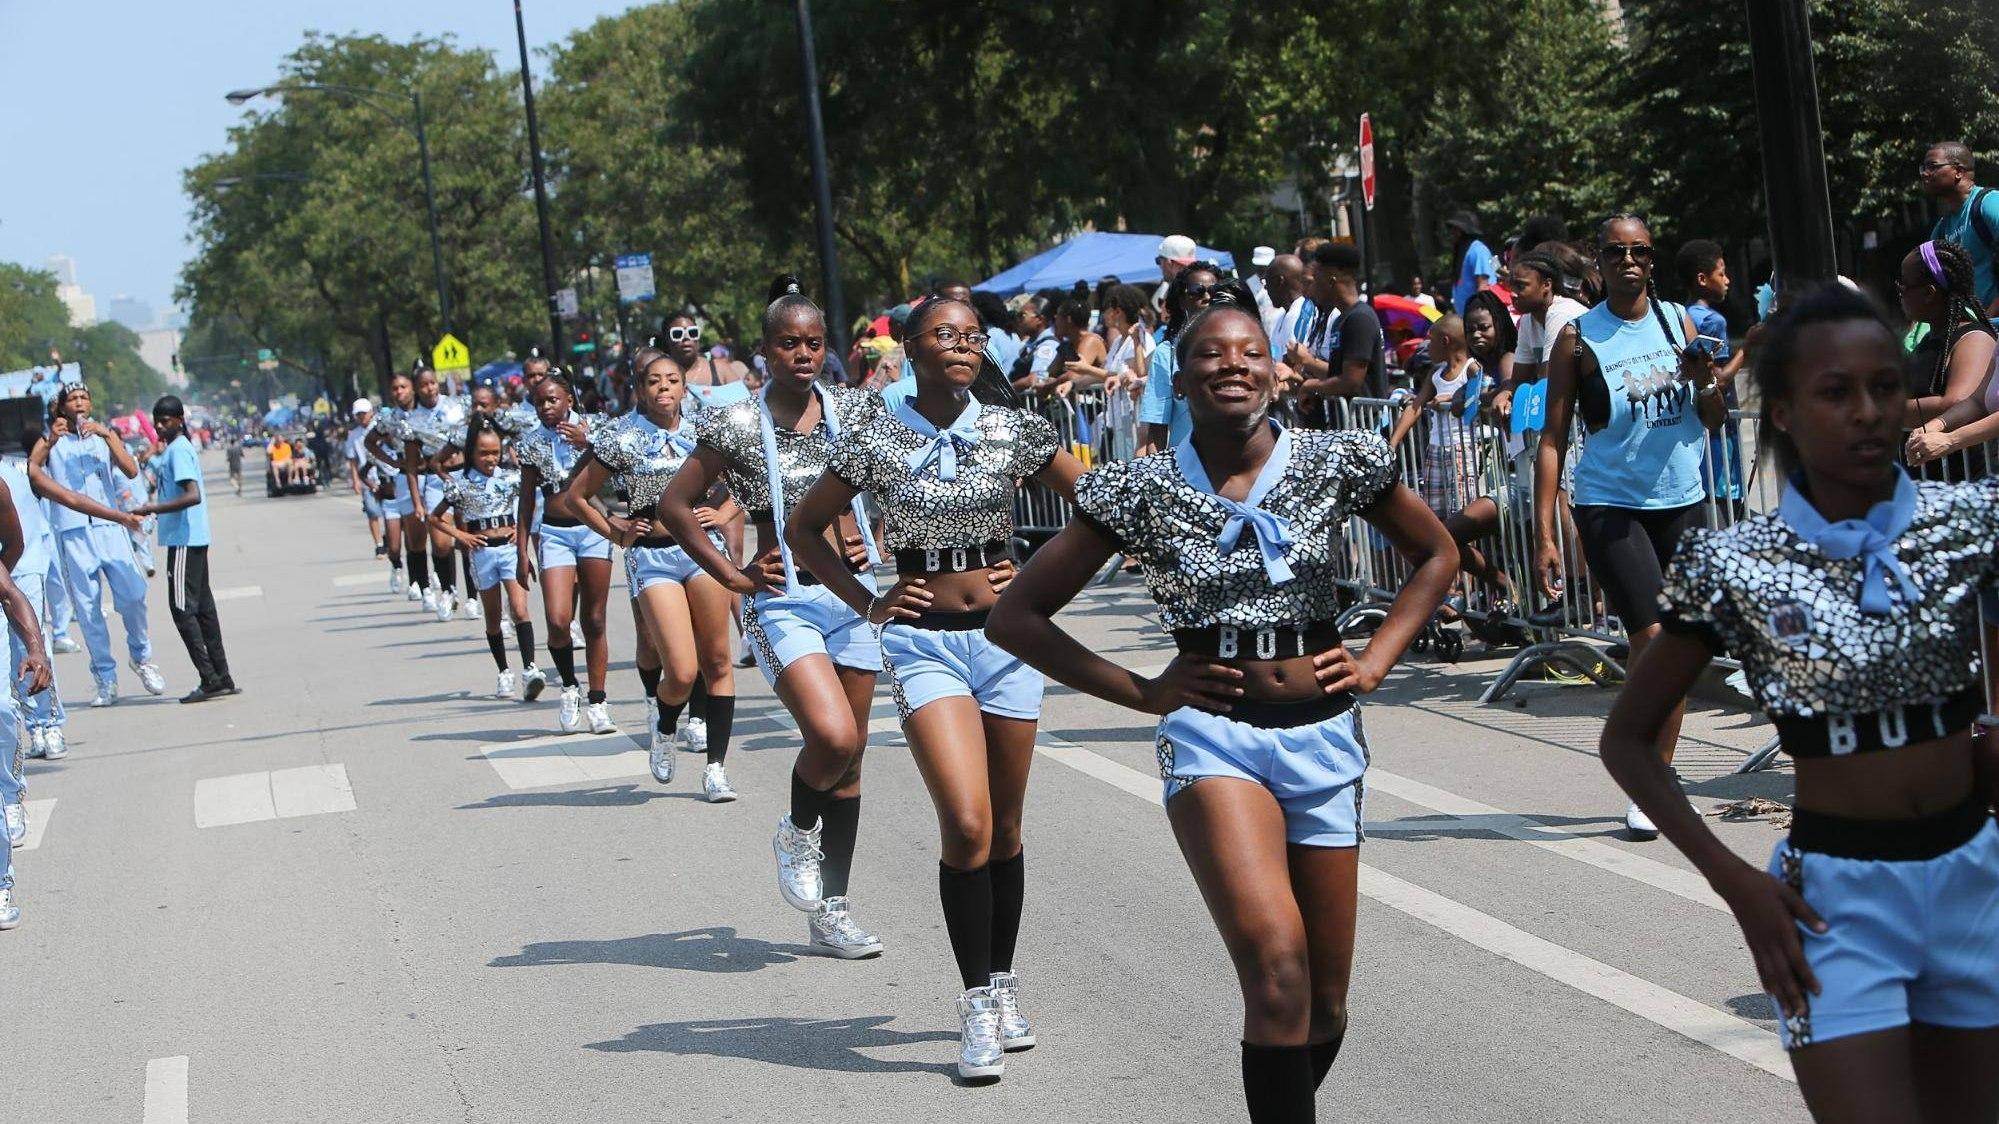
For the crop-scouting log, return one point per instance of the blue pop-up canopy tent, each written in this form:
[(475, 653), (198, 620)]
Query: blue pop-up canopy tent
[(1090, 257)]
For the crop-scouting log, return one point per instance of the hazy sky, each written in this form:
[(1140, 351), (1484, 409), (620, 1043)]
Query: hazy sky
[(103, 104)]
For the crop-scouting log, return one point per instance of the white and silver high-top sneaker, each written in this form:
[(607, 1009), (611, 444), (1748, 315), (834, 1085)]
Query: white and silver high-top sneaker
[(834, 933), (54, 746), (37, 742), (661, 755), (599, 716), (570, 718), (107, 695), (395, 582), (533, 682), (798, 859), (1016, 1033), (504, 688), (715, 784), (446, 602), (427, 595), (693, 735), (10, 914), (17, 824), (980, 1057)]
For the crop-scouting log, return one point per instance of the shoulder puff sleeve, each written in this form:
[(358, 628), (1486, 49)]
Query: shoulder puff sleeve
[(1108, 498), (850, 462), (454, 488), (605, 446), (1692, 601), (1364, 466), (1035, 444), (711, 427)]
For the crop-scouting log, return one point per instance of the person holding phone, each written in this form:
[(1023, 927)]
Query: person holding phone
[(1647, 400)]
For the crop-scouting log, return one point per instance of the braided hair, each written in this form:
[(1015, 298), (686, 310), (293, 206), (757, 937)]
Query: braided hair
[(1958, 293)]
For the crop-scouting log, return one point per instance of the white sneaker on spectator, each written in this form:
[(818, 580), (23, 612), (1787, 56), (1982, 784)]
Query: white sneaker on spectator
[(67, 644), (107, 694), (149, 675), (54, 746), (10, 914), (17, 824), (36, 745)]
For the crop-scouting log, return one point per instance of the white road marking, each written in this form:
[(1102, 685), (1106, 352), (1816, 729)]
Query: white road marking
[(166, 1091), (1735, 1037), (250, 797), (39, 812), (349, 581), (239, 593), (570, 759)]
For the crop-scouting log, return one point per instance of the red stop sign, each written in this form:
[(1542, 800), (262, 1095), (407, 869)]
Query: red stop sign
[(1367, 161)]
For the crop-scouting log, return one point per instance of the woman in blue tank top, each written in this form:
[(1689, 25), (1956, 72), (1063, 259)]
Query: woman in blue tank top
[(1646, 401)]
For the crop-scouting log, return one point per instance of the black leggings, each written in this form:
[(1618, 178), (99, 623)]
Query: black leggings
[(1627, 549)]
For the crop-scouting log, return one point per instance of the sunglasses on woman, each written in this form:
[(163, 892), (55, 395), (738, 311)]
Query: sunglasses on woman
[(1617, 251), (677, 335)]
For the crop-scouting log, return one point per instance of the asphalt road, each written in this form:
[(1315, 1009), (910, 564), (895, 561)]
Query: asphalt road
[(364, 891)]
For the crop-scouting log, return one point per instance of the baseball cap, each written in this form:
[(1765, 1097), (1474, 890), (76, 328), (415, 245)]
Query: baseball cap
[(362, 406), (1178, 248), (1262, 256)]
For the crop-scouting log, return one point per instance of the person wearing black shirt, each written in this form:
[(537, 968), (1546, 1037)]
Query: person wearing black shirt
[(1341, 357)]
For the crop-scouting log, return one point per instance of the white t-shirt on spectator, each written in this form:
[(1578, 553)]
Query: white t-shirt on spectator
[(1537, 338)]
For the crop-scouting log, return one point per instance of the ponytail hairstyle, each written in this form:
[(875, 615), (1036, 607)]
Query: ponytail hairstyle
[(784, 284), (1950, 267), (476, 423), (991, 387), (1830, 303), (786, 294), (1651, 273)]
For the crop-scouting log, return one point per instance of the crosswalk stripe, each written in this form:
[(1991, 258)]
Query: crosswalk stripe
[(39, 812), (349, 581), (570, 759), (238, 593), (281, 794), (166, 1091)]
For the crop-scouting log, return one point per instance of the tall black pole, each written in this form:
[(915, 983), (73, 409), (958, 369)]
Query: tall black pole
[(1787, 115), (822, 186), (540, 194), (430, 204)]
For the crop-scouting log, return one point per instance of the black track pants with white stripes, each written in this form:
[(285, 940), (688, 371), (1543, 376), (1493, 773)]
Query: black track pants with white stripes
[(193, 607)]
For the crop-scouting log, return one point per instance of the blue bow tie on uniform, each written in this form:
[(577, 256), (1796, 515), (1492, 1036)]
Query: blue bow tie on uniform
[(1273, 532), (944, 446), (682, 443), (1872, 539)]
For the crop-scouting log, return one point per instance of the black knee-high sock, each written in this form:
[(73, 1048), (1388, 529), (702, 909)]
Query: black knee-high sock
[(1324, 1053), (721, 719), (564, 659), (669, 716), (524, 636), (968, 919), (393, 554), (1277, 1082), (419, 567), (649, 679), (445, 564), (1009, 892), (843, 826), (497, 644), (807, 803), (697, 699)]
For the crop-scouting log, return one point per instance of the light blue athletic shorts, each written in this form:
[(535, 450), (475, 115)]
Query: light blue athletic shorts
[(1906, 940), (371, 504), (398, 505), (561, 547), (492, 565), (433, 491), (925, 665), (651, 565), (1315, 769), (785, 627)]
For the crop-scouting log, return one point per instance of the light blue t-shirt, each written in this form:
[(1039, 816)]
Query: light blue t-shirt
[(1478, 263), (1648, 455), (1004, 347), (189, 525), (83, 464), (1957, 227), (1158, 406), (37, 541)]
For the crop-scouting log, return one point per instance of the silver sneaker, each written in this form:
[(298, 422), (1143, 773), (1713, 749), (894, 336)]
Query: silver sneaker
[(1015, 1031), (980, 1057), (150, 677), (693, 735), (107, 695), (834, 933), (66, 645), (445, 604), (37, 742), (715, 784), (570, 718), (504, 687), (17, 824), (54, 747), (395, 582), (798, 859), (599, 717), (10, 914), (661, 756)]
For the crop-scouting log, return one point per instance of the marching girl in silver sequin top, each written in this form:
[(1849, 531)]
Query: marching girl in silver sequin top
[(821, 655), (429, 427), (944, 468), (572, 557), (1239, 530), (1853, 608), (477, 509), (402, 523), (682, 612), (710, 386)]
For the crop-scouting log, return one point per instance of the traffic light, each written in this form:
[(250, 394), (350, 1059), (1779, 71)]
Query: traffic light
[(584, 344)]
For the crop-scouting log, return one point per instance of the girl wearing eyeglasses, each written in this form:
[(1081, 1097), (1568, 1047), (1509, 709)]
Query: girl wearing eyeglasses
[(820, 655), (1646, 396), (944, 467)]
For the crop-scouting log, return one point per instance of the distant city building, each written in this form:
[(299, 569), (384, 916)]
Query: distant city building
[(82, 306), (64, 267), (158, 346), (132, 312)]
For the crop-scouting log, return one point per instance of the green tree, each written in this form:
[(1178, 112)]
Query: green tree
[(34, 322)]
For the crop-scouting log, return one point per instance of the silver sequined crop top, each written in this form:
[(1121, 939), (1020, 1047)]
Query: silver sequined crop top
[(434, 427), (927, 512), (478, 496), (642, 457), (550, 454), (1169, 526), (1833, 678), (736, 432)]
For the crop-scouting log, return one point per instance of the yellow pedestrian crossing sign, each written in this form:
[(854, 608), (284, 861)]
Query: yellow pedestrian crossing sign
[(450, 356)]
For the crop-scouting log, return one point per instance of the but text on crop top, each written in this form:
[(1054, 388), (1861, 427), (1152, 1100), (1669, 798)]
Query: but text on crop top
[(736, 432), (1834, 678), (902, 459), (1170, 526), (642, 456)]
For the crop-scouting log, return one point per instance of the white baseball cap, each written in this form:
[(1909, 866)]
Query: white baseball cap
[(362, 406), (1178, 248), (1262, 256)]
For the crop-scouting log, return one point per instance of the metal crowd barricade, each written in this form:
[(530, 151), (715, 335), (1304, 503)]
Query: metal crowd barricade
[(1078, 419)]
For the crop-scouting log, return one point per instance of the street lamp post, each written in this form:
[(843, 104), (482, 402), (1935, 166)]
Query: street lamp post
[(1787, 115), (540, 191), (822, 187), (373, 100)]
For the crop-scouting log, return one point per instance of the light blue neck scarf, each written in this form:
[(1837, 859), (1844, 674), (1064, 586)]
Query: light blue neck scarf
[(1872, 538), (1273, 532), (945, 445), (774, 478)]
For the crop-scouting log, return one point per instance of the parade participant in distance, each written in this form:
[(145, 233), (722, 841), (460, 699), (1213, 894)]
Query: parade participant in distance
[(575, 560), (183, 528), (1646, 393), (710, 385), (361, 475), (402, 524), (1853, 609), (943, 466), (484, 496), (683, 613), (1240, 533), (33, 674), (83, 459), (36, 569), (429, 426), (821, 656)]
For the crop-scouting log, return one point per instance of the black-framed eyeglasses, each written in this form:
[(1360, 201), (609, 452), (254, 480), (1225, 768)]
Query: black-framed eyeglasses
[(678, 335), (950, 337), (1617, 251), (1928, 166)]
